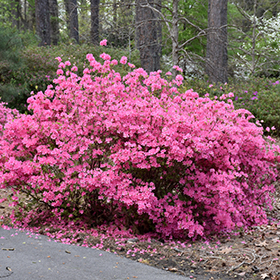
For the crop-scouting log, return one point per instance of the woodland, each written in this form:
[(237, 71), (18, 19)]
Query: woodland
[(146, 128)]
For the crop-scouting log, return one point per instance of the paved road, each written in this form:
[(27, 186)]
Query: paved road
[(34, 257)]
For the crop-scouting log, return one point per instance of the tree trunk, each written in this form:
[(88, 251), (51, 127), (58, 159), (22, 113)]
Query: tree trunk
[(94, 31), (15, 13), (175, 36), (67, 12), (54, 21), (25, 15), (73, 20), (115, 12), (216, 49), (43, 26), (148, 34)]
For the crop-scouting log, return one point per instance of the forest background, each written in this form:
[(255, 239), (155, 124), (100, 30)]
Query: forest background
[(221, 46)]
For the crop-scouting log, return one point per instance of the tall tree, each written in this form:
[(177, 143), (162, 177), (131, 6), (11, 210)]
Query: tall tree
[(54, 21), (71, 8), (94, 20), (43, 26), (15, 13), (148, 34), (216, 49), (67, 12), (74, 22), (25, 14)]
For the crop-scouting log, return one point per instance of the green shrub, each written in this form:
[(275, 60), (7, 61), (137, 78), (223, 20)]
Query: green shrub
[(11, 89), (38, 69), (261, 96)]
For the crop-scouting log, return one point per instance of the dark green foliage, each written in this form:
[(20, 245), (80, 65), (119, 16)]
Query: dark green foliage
[(260, 96), (11, 90), (34, 68)]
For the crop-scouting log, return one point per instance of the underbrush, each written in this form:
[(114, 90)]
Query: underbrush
[(260, 96), (25, 69)]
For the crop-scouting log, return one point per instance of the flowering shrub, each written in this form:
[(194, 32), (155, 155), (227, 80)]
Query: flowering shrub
[(6, 115), (262, 41), (101, 149)]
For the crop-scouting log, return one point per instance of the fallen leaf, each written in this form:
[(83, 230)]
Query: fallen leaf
[(143, 261), (226, 250), (68, 252), (132, 240), (255, 269), (178, 250), (277, 240), (172, 269), (261, 244), (264, 276)]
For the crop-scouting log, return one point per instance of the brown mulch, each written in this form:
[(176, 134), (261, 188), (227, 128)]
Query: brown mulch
[(242, 255)]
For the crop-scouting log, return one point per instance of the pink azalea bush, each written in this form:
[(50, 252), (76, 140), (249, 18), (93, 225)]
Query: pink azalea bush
[(133, 151), (6, 115)]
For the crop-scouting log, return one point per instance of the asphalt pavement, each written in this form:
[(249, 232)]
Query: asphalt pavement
[(29, 256)]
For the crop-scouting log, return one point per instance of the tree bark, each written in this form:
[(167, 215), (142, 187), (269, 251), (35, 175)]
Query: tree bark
[(175, 36), (25, 15), (15, 13), (67, 12), (216, 49), (54, 21), (148, 34), (43, 26), (73, 20), (94, 31)]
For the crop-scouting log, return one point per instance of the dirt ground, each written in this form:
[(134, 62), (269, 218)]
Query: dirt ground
[(242, 255)]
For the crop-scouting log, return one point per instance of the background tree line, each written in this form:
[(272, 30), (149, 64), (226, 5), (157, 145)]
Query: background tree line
[(219, 38)]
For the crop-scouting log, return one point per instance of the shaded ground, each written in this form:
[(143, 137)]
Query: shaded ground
[(242, 255), (250, 255)]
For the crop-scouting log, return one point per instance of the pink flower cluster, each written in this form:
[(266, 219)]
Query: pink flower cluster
[(6, 115), (105, 149), (103, 42)]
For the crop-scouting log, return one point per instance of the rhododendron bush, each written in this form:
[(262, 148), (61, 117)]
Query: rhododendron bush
[(133, 151), (6, 115)]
